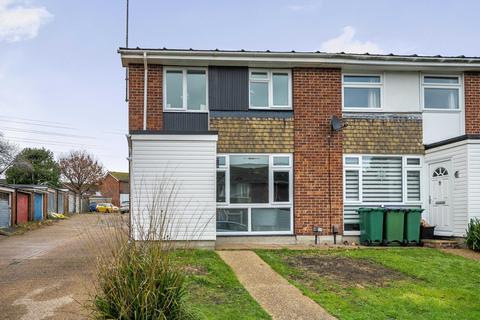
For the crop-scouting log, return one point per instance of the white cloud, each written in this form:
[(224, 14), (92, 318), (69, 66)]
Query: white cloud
[(20, 21), (345, 42)]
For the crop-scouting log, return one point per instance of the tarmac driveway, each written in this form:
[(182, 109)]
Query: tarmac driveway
[(46, 273)]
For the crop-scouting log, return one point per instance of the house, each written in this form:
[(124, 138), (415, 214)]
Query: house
[(116, 185), (285, 143)]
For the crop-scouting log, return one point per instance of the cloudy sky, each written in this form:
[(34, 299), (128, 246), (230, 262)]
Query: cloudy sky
[(61, 81)]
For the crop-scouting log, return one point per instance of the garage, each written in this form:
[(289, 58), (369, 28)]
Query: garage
[(5, 207), (22, 207)]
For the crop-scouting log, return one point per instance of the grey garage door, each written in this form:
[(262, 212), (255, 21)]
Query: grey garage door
[(4, 210)]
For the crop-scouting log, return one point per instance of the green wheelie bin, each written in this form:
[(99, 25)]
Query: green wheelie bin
[(411, 235), (394, 226), (371, 226)]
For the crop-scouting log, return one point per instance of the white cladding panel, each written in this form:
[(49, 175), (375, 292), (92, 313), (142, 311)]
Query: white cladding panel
[(473, 180), (457, 154), (438, 126), (177, 175), (401, 92)]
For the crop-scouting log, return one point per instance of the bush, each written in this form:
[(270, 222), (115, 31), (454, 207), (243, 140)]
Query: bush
[(141, 282), (473, 234)]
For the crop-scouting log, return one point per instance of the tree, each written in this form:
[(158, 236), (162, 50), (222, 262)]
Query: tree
[(8, 152), (81, 170), (34, 166)]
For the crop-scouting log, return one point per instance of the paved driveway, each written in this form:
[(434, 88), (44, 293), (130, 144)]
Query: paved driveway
[(45, 273)]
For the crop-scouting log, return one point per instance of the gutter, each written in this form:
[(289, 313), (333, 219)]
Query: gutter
[(296, 58)]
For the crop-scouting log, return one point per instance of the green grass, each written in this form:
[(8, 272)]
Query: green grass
[(213, 289), (434, 285)]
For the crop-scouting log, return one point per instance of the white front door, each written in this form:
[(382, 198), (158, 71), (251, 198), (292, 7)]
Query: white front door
[(440, 198)]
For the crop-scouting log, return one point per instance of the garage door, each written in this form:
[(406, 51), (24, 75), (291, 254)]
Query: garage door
[(51, 202), (60, 203), (4, 210), (22, 208), (38, 207), (71, 203)]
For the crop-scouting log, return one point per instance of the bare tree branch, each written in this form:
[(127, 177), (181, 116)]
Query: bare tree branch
[(82, 170), (8, 152)]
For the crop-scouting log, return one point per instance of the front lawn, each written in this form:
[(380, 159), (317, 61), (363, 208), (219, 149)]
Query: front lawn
[(213, 289), (394, 283)]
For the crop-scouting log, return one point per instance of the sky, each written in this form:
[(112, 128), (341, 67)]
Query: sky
[(62, 84)]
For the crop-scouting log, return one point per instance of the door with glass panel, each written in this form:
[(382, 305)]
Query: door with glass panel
[(440, 197)]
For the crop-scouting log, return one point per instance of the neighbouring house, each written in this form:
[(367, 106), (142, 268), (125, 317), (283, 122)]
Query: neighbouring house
[(282, 143), (116, 185)]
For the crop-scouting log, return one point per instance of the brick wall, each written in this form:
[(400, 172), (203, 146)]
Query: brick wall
[(387, 135), (136, 76), (252, 135), (317, 96), (110, 188), (472, 102)]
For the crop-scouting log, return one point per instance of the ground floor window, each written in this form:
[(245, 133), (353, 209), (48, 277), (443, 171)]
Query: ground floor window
[(254, 194), (379, 180)]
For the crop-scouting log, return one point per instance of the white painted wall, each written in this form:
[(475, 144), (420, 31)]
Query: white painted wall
[(174, 174), (457, 153)]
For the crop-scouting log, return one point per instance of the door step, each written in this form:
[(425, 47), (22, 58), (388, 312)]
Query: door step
[(442, 243)]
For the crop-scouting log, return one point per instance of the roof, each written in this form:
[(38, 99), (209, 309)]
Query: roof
[(452, 140), (293, 58), (120, 176)]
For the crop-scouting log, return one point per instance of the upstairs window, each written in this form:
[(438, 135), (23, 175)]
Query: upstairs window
[(362, 91), (185, 89), (441, 92), (270, 89)]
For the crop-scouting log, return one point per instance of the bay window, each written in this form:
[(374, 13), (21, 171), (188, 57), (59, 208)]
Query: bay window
[(375, 180), (362, 91), (270, 89), (441, 92), (185, 89), (254, 194)]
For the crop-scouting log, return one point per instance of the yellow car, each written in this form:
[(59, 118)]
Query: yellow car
[(106, 208)]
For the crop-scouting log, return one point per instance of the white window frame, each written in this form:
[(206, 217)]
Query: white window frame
[(269, 80), (271, 204), (458, 86), (379, 85), (184, 108), (405, 168)]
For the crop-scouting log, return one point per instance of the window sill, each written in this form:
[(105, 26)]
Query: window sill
[(271, 108), (362, 109), (425, 110), (183, 110)]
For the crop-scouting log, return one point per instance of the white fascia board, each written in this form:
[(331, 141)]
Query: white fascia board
[(254, 59), (174, 137), (7, 189)]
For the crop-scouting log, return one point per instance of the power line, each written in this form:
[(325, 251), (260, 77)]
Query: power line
[(60, 134)]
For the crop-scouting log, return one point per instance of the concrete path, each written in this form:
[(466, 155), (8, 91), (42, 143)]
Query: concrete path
[(278, 297), (45, 273)]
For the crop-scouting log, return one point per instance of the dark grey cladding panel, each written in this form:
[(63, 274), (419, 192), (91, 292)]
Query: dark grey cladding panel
[(185, 121), (228, 88), (252, 114)]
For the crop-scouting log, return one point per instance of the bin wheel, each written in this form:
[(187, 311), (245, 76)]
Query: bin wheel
[(367, 242)]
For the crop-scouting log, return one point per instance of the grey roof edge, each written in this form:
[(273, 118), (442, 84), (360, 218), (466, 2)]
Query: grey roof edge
[(452, 140), (304, 54)]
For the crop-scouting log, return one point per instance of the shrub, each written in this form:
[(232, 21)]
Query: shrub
[(141, 282), (473, 235)]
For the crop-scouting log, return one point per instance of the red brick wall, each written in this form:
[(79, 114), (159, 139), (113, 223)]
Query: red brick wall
[(110, 188), (472, 102), (317, 96), (154, 97)]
